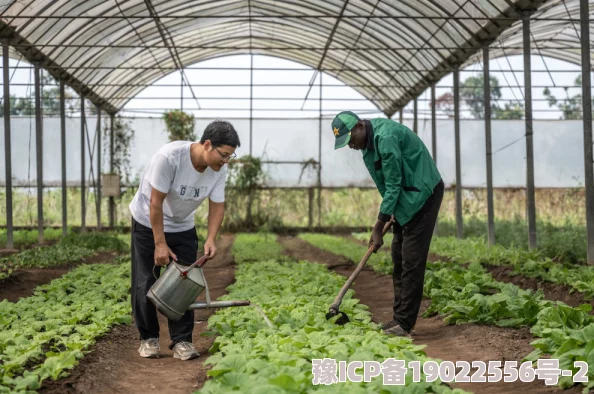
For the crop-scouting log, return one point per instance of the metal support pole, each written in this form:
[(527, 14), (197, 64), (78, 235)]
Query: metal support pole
[(111, 148), (181, 88), (487, 103), (98, 185), (320, 159), (459, 223), (39, 149), (530, 200), (251, 99), (7, 145), (63, 157), (433, 125), (415, 117), (311, 209), (83, 203), (401, 116), (434, 142), (587, 108)]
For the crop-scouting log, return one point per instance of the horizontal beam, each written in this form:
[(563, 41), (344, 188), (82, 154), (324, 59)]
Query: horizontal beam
[(282, 48), (266, 98), (281, 16), (172, 68), (283, 85)]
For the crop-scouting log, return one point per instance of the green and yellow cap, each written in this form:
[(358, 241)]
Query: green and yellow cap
[(342, 125)]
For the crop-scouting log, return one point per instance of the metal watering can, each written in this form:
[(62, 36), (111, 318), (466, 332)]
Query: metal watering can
[(175, 291)]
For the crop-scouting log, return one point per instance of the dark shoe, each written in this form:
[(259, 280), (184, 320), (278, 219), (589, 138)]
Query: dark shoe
[(393, 328)]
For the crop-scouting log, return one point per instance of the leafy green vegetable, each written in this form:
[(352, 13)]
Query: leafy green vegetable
[(44, 335), (95, 241), (380, 262), (256, 247), (25, 238), (528, 263), (70, 249), (251, 357)]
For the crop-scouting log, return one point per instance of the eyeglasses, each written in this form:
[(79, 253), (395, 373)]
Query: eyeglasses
[(226, 157)]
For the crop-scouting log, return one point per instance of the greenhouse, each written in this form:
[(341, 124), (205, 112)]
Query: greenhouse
[(455, 255)]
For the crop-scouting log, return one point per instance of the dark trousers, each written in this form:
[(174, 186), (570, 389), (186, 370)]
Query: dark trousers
[(410, 248), (185, 246)]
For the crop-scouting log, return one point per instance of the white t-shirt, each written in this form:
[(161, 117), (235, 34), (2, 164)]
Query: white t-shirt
[(171, 171)]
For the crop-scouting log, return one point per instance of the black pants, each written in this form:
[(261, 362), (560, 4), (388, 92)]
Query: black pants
[(410, 248), (185, 246)]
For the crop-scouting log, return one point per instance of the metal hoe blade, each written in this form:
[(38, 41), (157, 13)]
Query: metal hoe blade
[(342, 320)]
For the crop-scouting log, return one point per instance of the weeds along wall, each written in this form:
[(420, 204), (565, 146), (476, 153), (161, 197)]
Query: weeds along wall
[(558, 147)]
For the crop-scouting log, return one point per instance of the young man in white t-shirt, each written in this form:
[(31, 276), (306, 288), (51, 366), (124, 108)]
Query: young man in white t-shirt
[(179, 177)]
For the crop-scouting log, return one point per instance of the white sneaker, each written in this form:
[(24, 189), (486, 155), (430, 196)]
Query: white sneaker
[(149, 348), (185, 351)]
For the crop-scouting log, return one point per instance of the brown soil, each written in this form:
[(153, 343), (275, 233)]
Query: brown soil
[(113, 366), (23, 282), (468, 342), (552, 291), (8, 252)]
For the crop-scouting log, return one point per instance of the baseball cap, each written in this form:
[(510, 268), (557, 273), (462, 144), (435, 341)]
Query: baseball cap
[(342, 125)]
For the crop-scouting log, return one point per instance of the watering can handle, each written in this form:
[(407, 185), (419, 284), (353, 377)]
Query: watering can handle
[(200, 263)]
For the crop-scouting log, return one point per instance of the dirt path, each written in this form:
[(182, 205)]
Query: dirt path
[(114, 366), (23, 282), (469, 342)]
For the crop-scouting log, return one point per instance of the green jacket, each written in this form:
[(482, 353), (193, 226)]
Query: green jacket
[(401, 167)]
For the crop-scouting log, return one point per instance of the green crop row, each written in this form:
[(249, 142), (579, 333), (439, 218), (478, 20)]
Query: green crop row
[(525, 262), (44, 335), (471, 295), (72, 248), (251, 357), (528, 263), (25, 238), (380, 262), (100, 242), (256, 247)]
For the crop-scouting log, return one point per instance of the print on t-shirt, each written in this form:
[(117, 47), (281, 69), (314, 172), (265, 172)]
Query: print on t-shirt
[(193, 192)]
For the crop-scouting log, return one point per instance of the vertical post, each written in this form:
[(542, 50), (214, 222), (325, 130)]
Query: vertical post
[(487, 104), (111, 148), (530, 200), (63, 157), (401, 115), (320, 157), (587, 108), (39, 149), (181, 88), (415, 116), (433, 125), (434, 141), (459, 223), (251, 99), (83, 203), (311, 209), (98, 185), (7, 145)]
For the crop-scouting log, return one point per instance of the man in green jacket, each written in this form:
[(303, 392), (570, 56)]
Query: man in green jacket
[(411, 189)]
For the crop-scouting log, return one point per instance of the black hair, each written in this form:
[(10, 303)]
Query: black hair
[(220, 133)]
